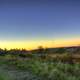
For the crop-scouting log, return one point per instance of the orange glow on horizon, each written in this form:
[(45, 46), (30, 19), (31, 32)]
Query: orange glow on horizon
[(34, 44)]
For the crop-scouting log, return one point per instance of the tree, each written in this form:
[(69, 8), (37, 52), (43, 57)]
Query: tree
[(40, 50)]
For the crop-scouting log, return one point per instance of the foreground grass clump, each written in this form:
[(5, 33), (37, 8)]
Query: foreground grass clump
[(52, 71), (4, 75), (45, 70), (16, 68)]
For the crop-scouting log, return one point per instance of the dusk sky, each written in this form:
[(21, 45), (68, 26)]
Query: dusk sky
[(30, 23)]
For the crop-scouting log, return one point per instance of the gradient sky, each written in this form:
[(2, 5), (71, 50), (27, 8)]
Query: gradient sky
[(30, 23)]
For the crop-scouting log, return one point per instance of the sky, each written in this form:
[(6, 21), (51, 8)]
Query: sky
[(31, 23)]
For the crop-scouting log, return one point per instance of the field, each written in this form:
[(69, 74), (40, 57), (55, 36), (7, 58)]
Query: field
[(39, 65)]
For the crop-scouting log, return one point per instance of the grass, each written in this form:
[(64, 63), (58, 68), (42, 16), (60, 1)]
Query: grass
[(38, 69)]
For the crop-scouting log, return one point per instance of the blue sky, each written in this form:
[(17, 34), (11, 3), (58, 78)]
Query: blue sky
[(39, 19)]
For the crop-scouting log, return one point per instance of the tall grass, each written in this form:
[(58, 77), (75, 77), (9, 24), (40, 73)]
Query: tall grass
[(46, 70), (39, 68), (4, 75)]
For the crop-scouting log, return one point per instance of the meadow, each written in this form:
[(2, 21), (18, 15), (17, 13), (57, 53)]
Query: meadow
[(40, 64)]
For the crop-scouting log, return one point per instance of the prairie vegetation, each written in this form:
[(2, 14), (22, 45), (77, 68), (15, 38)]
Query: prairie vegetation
[(40, 64)]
